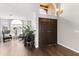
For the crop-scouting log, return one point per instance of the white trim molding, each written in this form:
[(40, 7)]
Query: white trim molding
[(69, 47)]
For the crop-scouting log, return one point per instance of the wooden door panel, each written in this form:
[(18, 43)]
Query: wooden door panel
[(47, 31)]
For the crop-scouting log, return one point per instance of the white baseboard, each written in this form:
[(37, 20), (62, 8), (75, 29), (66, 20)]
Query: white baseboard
[(69, 48)]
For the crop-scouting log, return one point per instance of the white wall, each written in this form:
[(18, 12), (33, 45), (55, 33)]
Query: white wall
[(0, 30), (68, 26)]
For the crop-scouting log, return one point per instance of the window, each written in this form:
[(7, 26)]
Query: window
[(16, 22)]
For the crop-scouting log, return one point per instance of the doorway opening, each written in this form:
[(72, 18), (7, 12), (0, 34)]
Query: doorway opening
[(16, 28)]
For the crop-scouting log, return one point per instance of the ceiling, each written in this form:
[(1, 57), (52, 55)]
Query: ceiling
[(24, 10), (21, 10)]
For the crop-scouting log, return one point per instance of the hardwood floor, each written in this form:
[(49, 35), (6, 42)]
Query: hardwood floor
[(16, 48)]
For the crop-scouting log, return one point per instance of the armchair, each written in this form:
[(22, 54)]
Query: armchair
[(6, 35)]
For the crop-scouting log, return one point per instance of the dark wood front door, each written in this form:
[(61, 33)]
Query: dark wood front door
[(47, 31)]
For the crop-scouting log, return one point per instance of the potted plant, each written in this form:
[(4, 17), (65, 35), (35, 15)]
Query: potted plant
[(28, 33)]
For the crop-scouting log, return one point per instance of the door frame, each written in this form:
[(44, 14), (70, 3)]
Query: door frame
[(39, 29)]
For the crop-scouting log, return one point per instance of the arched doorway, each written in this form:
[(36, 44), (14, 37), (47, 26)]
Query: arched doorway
[(16, 28)]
